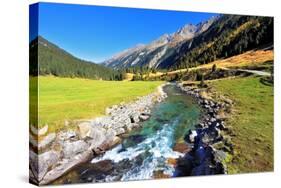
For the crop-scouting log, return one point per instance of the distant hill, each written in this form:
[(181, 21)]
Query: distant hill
[(219, 37), (53, 60)]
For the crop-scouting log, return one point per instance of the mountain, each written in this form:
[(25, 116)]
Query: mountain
[(47, 58), (228, 36), (153, 54), (219, 37)]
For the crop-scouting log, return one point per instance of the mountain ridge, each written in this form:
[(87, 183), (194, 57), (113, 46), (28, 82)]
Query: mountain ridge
[(186, 32), (191, 45)]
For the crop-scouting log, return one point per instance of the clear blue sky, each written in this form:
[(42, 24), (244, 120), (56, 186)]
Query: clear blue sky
[(96, 33)]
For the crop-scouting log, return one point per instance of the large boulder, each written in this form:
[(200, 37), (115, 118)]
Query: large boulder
[(70, 149), (46, 161)]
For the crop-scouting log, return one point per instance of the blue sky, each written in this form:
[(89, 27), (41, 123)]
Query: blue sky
[(96, 33)]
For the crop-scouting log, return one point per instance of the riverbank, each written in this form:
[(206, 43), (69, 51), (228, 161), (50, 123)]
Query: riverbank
[(209, 142), (61, 152), (251, 121)]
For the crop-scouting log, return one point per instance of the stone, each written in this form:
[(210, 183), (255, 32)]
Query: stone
[(43, 130), (46, 161), (213, 119), (108, 111), (85, 129), (46, 141), (33, 130), (134, 118), (212, 104), (110, 133), (65, 167), (33, 164), (228, 101), (190, 137), (98, 136), (70, 149), (206, 101), (144, 117), (120, 131), (68, 135)]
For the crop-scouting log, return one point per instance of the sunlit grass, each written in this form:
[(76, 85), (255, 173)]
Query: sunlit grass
[(252, 123), (63, 99)]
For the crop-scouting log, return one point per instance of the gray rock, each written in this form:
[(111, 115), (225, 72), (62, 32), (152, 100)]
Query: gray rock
[(47, 141), (98, 136), (134, 118), (144, 117), (33, 164), (68, 135), (120, 131), (70, 149), (85, 129), (110, 133), (46, 161)]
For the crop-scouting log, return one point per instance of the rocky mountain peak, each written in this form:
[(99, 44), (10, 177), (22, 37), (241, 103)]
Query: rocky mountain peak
[(153, 53)]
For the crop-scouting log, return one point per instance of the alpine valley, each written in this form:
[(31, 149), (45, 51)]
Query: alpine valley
[(196, 101)]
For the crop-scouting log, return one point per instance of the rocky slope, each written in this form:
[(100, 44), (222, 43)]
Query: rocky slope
[(153, 54)]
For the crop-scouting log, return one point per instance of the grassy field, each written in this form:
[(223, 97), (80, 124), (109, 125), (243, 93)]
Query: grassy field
[(63, 99), (252, 123)]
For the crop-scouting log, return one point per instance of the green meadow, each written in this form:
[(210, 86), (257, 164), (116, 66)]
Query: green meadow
[(63, 99), (251, 123)]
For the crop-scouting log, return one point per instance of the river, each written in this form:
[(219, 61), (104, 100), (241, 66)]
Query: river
[(144, 152)]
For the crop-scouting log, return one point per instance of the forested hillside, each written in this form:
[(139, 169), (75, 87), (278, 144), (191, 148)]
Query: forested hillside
[(53, 60), (229, 35), (224, 36)]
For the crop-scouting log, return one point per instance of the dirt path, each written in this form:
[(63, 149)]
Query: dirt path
[(261, 73)]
